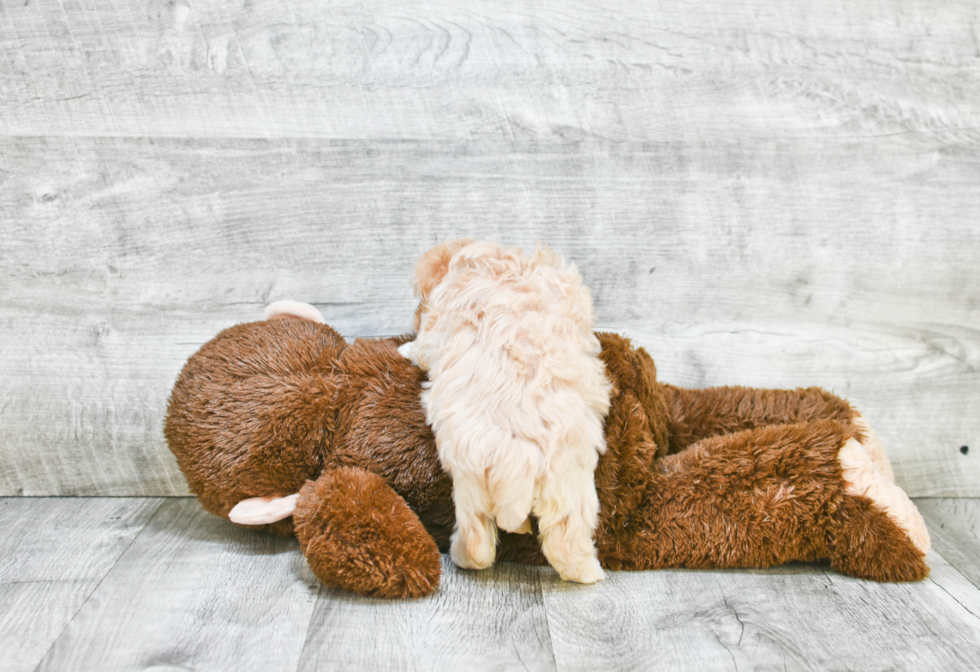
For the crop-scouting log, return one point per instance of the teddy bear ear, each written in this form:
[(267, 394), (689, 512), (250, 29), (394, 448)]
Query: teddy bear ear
[(263, 510), (290, 309), (432, 267)]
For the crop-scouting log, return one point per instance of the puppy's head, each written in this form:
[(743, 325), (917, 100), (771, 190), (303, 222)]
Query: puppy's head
[(434, 264), (431, 268)]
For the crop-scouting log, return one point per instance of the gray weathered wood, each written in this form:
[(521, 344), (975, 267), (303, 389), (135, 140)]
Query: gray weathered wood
[(191, 591), (797, 617), (53, 554), (958, 592), (489, 620), (504, 69), (194, 592), (771, 194), (955, 528), (771, 263)]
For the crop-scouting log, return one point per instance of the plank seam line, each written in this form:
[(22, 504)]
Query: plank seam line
[(942, 588), (136, 536), (309, 627), (547, 620)]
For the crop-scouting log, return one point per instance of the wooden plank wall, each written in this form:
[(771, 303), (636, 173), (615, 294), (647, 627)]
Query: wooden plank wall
[(772, 194)]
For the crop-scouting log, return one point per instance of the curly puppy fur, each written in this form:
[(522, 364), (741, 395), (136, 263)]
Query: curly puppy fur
[(516, 398)]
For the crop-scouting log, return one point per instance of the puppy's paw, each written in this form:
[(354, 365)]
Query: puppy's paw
[(473, 552), (587, 570)]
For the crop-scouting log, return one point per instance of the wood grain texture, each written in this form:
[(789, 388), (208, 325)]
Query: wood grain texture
[(774, 263), (798, 617), (955, 528), (504, 69), (180, 589), (957, 591), (489, 620), (193, 592), (53, 554)]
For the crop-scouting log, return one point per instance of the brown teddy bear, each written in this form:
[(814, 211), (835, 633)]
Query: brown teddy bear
[(284, 425)]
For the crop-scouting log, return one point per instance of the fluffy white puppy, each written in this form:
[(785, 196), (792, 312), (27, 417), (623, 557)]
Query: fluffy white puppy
[(516, 398)]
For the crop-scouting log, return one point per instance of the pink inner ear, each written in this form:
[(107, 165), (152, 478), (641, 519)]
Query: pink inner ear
[(284, 309), (263, 510)]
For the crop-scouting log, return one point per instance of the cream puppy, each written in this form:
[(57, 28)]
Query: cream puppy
[(516, 398)]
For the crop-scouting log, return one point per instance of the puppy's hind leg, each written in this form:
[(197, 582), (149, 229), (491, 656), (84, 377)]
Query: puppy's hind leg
[(474, 542), (567, 510)]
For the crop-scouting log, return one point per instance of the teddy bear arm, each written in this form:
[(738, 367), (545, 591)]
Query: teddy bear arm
[(694, 415), (358, 534), (697, 414)]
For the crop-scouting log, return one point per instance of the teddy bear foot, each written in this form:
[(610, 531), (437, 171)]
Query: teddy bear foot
[(882, 536), (359, 534)]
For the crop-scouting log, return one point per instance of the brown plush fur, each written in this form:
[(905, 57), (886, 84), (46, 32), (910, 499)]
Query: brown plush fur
[(725, 477), (249, 420), (359, 535), (381, 428)]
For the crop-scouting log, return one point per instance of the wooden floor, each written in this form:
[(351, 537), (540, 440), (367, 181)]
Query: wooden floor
[(773, 194), (157, 584)]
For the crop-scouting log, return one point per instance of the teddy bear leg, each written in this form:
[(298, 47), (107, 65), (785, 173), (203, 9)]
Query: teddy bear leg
[(359, 534), (700, 414), (771, 495), (880, 534), (718, 411)]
